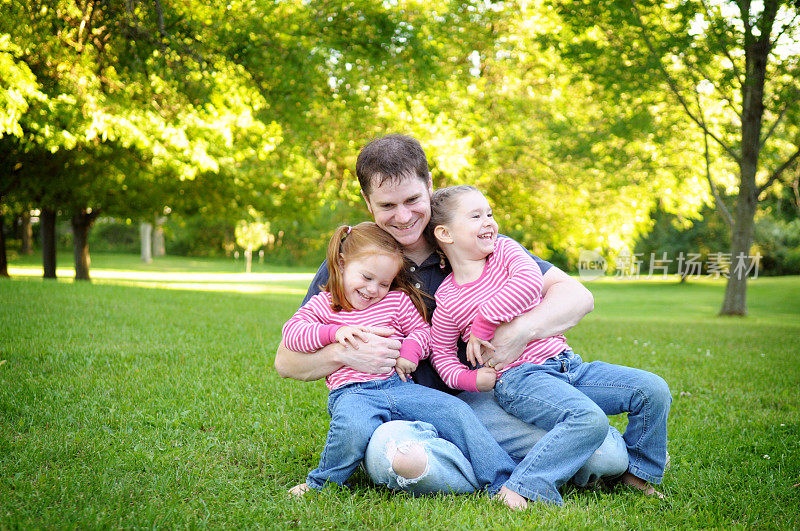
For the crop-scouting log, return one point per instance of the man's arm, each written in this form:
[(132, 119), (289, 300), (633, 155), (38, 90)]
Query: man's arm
[(375, 357), (565, 302)]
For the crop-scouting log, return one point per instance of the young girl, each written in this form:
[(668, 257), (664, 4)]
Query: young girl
[(493, 281), (368, 287)]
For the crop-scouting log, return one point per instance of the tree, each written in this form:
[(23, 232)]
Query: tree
[(129, 107), (17, 89), (251, 235), (733, 70)]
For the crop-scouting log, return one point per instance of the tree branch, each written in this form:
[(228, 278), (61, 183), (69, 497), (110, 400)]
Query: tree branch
[(796, 188), (676, 91), (164, 40), (744, 11), (777, 173), (721, 207), (788, 25), (775, 124), (722, 46)]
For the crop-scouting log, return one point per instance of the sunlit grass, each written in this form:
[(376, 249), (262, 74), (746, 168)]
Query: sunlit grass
[(127, 406), (179, 273)]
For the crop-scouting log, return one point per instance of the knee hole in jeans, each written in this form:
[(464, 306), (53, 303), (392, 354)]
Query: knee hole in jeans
[(410, 461)]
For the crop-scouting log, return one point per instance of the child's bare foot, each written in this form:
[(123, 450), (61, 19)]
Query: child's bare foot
[(299, 490), (640, 484), (513, 500)]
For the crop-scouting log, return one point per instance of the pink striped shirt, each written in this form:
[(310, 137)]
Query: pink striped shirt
[(510, 285), (314, 326)]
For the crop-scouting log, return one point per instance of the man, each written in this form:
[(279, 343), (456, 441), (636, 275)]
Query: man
[(396, 185)]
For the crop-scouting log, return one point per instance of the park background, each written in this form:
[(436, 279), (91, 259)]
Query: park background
[(215, 130)]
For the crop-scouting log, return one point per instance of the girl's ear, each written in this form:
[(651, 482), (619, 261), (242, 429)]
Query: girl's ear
[(442, 234), (341, 260)]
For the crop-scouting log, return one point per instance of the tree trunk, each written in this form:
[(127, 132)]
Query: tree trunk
[(27, 233), (3, 258), (158, 237), (81, 223), (756, 56), (48, 230), (146, 237), (735, 302)]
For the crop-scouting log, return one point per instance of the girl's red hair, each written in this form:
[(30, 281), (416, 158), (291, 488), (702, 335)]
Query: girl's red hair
[(364, 239)]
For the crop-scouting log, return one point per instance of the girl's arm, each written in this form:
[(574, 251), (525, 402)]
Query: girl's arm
[(376, 357), (306, 330), (444, 340), (522, 289), (416, 344), (566, 301)]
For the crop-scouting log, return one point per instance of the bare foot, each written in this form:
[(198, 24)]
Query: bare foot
[(299, 490), (640, 484), (513, 500)]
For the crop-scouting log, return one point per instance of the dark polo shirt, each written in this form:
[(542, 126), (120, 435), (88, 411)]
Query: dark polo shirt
[(429, 275)]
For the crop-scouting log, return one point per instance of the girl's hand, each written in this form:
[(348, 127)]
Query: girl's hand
[(486, 379), (404, 368), (347, 335), (477, 350)]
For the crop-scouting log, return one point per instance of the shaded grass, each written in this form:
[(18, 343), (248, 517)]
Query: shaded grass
[(127, 406)]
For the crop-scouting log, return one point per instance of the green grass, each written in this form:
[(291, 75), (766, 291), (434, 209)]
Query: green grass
[(124, 405), (132, 262)]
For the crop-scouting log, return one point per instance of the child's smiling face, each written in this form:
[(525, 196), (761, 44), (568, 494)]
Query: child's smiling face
[(367, 278), (473, 229)]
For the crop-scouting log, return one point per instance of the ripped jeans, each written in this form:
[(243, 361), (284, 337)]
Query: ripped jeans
[(358, 409), (448, 470)]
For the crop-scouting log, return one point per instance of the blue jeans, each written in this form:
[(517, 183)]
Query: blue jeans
[(357, 409), (449, 471), (571, 399)]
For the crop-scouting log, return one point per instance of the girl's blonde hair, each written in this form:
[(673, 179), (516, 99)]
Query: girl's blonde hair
[(365, 239)]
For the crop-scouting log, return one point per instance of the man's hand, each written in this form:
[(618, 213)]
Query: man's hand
[(486, 379), (565, 301), (375, 354), (508, 343), (404, 368)]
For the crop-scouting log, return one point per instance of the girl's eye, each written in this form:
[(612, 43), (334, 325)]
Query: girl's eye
[(490, 214), (384, 285), (366, 277)]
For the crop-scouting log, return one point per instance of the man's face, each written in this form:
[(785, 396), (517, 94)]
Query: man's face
[(402, 208)]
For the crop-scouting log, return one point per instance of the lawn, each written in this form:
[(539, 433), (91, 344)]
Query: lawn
[(149, 398)]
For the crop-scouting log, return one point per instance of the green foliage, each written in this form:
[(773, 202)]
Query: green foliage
[(114, 235), (778, 241), (214, 110), (198, 235), (777, 235), (17, 87)]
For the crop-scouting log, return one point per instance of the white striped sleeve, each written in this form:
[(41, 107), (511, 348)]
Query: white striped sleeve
[(309, 329)]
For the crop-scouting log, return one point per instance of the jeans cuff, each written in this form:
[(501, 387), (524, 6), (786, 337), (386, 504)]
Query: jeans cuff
[(532, 495), (315, 484), (641, 474)]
